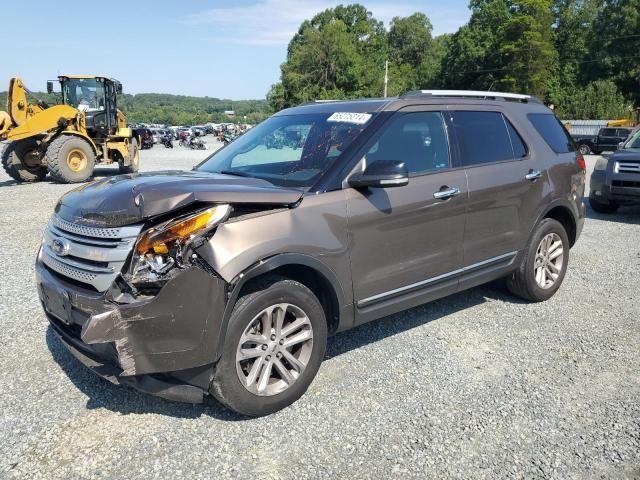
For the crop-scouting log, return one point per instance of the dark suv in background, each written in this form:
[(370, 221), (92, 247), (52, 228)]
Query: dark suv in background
[(615, 180), (228, 279)]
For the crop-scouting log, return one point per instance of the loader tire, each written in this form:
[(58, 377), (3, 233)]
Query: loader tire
[(134, 158), (14, 162), (70, 159)]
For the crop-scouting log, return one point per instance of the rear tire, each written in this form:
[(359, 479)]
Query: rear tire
[(13, 162), (526, 282), (134, 158), (602, 207), (274, 298), (70, 159)]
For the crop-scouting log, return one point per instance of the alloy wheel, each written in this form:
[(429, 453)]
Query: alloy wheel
[(549, 260), (274, 349)]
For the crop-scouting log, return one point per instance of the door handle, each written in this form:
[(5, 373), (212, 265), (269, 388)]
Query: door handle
[(533, 175), (448, 193)]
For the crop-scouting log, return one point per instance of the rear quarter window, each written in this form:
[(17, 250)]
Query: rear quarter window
[(550, 128)]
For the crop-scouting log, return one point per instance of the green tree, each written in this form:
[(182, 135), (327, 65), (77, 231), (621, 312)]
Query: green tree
[(572, 22), (473, 59), (615, 46), (415, 55), (599, 100), (430, 70), (324, 64), (275, 97), (410, 39), (526, 47), (339, 53)]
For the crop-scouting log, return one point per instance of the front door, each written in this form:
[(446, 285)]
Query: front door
[(406, 241)]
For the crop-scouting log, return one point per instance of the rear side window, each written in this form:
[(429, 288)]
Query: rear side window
[(482, 137), (608, 132), (550, 128)]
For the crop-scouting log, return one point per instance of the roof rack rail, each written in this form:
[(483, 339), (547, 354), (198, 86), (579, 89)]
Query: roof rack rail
[(315, 102), (472, 94)]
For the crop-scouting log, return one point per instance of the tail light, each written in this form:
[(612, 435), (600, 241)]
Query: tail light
[(580, 161)]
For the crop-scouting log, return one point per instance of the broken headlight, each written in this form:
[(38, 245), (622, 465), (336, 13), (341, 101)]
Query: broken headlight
[(162, 248)]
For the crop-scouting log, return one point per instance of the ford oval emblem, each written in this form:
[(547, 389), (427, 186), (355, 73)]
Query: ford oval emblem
[(60, 247)]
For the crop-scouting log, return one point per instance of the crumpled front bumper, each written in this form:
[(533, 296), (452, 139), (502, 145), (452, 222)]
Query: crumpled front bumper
[(172, 335)]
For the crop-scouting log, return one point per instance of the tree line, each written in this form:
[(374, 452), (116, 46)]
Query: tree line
[(177, 109), (581, 56)]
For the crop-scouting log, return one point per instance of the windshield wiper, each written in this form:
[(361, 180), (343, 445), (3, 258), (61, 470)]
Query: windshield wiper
[(237, 173)]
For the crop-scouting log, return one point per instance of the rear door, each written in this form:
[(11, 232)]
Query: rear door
[(506, 185), (407, 242)]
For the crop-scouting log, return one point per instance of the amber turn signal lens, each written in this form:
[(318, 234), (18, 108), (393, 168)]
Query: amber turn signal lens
[(157, 240)]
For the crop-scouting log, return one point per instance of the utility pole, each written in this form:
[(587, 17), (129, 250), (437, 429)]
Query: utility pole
[(386, 77)]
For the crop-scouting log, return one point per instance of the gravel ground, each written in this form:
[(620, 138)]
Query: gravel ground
[(478, 385)]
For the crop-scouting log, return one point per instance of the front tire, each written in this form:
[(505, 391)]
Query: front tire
[(16, 158), (70, 159), (275, 342), (543, 267)]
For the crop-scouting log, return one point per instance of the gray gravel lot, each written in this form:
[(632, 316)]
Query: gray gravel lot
[(478, 385)]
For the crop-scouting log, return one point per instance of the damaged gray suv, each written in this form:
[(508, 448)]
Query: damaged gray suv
[(227, 280)]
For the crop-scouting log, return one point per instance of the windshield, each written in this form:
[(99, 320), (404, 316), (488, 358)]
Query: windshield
[(289, 150), (84, 93), (634, 141)]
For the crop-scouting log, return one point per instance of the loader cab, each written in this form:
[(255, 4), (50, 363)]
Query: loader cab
[(96, 97)]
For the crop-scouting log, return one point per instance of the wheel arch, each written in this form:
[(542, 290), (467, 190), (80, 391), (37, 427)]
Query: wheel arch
[(564, 214), (94, 147), (312, 273)]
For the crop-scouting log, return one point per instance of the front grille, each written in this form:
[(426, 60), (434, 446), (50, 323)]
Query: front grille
[(628, 167), (625, 183), (90, 255)]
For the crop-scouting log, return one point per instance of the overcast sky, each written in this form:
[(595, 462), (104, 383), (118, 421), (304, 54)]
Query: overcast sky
[(228, 49)]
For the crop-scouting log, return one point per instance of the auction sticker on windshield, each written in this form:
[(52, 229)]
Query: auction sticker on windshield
[(350, 117)]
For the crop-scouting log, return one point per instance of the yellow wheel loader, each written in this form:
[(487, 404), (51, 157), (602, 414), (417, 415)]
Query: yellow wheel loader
[(633, 120), (69, 139)]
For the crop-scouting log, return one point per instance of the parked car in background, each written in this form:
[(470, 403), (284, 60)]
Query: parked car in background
[(146, 137), (607, 139), (615, 181), (184, 133), (226, 280), (198, 131), (158, 133)]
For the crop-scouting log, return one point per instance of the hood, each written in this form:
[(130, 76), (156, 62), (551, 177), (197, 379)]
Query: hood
[(127, 199), (626, 154)]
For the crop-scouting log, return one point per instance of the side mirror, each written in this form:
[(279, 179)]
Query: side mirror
[(381, 174), (119, 88), (620, 145), (49, 86)]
